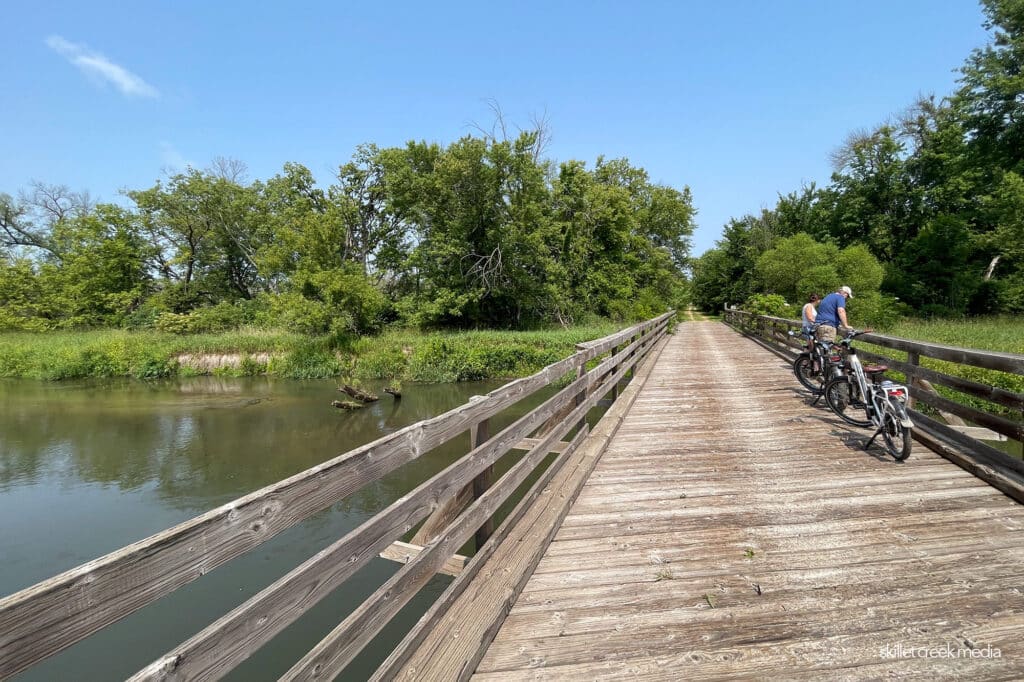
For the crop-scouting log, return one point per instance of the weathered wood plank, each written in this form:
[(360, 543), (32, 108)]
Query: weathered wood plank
[(403, 553), (440, 609), (343, 643), (679, 638), (230, 640), (438, 653), (729, 522), (443, 515), (529, 443), (970, 569)]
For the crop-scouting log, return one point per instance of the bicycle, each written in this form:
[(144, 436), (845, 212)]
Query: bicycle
[(883, 402), (813, 369)]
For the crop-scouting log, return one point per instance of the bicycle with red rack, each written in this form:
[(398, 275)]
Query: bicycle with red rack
[(862, 396)]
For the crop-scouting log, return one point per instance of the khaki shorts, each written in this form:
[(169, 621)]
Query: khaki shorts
[(826, 333)]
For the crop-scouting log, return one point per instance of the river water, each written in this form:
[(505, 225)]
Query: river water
[(88, 467)]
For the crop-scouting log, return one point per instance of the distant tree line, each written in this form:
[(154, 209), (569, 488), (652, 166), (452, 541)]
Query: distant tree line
[(931, 204), (482, 232)]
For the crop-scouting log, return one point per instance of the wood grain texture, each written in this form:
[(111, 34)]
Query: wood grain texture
[(732, 531), (448, 646), (43, 619), (964, 449), (341, 645), (404, 552), (235, 636)]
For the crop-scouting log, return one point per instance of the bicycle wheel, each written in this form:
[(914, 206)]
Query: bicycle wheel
[(803, 367), (898, 438), (844, 398)]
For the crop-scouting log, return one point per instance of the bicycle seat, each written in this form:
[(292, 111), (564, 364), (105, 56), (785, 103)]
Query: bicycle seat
[(875, 369)]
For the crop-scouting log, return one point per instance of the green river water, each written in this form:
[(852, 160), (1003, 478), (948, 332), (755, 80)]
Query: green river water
[(86, 468)]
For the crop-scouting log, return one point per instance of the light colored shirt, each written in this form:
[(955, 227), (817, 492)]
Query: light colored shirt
[(809, 315)]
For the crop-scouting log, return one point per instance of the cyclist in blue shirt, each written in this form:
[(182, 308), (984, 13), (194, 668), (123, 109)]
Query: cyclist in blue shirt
[(832, 314)]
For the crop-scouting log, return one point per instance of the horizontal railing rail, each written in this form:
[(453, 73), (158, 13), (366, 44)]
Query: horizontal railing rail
[(50, 616), (1004, 416)]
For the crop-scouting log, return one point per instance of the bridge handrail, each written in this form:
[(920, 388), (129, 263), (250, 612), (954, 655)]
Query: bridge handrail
[(46, 618), (773, 330)]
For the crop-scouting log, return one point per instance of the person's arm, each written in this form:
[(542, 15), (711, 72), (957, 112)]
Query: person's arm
[(842, 316), (812, 314)]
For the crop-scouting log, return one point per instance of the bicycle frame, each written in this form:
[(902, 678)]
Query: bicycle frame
[(877, 394)]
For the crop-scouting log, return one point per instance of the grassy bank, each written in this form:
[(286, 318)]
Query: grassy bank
[(1004, 334), (397, 355), (985, 333)]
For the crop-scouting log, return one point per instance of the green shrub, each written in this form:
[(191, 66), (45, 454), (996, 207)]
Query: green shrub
[(218, 318), (769, 304), (876, 310)]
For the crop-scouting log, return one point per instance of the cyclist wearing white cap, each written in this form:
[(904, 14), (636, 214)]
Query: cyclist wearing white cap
[(832, 314)]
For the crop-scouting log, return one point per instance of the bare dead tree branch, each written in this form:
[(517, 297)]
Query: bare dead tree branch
[(227, 168)]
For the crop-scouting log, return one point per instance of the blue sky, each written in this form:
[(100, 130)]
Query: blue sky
[(737, 100)]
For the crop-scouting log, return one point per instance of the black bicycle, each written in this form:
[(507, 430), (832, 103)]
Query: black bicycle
[(815, 368)]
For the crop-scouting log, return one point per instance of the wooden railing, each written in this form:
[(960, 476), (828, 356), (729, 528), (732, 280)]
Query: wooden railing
[(1004, 420), (454, 505)]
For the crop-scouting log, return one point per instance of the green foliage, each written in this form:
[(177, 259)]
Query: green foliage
[(1002, 333), (310, 359), (479, 233), (797, 267), (769, 304), (24, 305), (875, 310), (224, 316), (402, 355), (936, 198)]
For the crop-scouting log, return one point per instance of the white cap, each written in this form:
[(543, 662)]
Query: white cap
[(846, 290)]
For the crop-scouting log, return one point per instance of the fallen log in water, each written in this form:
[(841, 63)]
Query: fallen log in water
[(361, 396), (346, 404)]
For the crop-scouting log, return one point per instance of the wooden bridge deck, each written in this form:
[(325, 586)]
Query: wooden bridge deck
[(730, 530)]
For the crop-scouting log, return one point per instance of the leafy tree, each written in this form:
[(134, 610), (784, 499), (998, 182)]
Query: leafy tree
[(207, 235), (990, 96), (784, 269), (102, 276), (24, 301)]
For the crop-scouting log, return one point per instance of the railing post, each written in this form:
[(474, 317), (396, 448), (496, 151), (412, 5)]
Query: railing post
[(615, 368), (478, 435), (582, 395), (914, 359), (632, 340)]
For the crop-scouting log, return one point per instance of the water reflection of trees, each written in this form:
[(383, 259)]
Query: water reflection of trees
[(202, 448)]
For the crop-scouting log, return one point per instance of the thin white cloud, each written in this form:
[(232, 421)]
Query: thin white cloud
[(172, 159), (100, 69)]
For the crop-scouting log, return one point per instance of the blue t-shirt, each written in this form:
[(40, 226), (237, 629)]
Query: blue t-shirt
[(828, 309)]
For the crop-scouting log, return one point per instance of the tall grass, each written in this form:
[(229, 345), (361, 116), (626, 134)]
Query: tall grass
[(463, 356), (396, 355), (1005, 334)]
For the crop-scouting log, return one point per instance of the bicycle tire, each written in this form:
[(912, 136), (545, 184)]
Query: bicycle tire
[(803, 367), (842, 397), (898, 438)]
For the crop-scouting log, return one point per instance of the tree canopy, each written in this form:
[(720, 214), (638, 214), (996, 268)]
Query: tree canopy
[(935, 196), (482, 232)]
